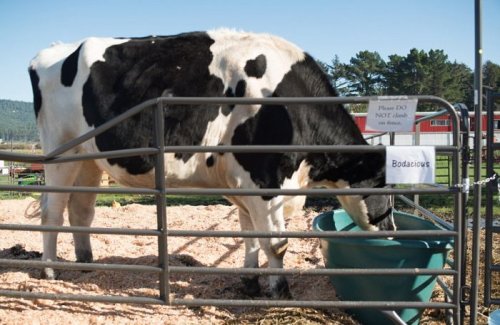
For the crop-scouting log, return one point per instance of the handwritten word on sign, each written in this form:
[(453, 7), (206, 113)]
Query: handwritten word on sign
[(410, 165), (391, 114)]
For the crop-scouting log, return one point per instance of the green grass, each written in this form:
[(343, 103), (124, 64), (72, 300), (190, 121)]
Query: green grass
[(4, 179), (172, 200)]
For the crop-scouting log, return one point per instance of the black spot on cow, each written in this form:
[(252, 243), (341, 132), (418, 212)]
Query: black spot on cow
[(270, 126), (37, 95), (210, 161), (229, 92), (138, 70), (227, 109), (256, 67), (241, 88), (332, 126), (240, 92), (69, 68), (302, 124)]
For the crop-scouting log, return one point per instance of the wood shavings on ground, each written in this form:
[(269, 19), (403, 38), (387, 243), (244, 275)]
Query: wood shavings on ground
[(142, 250)]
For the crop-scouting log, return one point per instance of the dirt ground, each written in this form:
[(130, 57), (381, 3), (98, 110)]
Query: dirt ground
[(141, 250)]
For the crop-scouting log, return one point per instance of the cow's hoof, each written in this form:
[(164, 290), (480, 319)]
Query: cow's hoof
[(48, 274), (251, 286), (281, 290), (279, 248), (84, 256)]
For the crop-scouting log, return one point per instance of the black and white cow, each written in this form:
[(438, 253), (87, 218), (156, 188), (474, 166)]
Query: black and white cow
[(79, 86)]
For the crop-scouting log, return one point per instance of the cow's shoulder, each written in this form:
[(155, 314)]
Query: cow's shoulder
[(256, 62), (240, 45)]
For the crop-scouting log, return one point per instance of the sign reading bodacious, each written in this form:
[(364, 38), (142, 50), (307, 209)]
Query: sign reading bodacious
[(410, 165)]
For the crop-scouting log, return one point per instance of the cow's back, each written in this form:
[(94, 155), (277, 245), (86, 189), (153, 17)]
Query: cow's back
[(82, 85)]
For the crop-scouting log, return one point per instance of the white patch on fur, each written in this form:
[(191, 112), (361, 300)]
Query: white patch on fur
[(232, 50), (65, 101), (353, 204), (293, 205)]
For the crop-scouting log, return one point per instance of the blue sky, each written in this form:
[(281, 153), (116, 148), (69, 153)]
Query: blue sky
[(324, 28)]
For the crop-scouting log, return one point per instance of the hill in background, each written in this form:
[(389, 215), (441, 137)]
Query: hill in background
[(17, 122)]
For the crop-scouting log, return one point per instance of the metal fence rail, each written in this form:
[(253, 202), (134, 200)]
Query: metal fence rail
[(162, 232)]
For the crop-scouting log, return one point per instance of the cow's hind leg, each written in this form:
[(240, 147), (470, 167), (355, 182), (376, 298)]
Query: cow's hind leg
[(52, 206), (250, 282), (81, 210)]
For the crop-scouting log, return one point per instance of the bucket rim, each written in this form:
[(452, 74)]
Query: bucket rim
[(445, 243)]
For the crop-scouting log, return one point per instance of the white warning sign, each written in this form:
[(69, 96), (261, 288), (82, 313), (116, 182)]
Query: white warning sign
[(391, 114)]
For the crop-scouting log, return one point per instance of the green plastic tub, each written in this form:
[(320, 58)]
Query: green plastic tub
[(382, 253)]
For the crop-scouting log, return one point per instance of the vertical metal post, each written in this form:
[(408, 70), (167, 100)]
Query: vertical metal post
[(416, 197), (161, 211), (465, 160), (489, 196), (478, 109), (392, 141), (458, 224)]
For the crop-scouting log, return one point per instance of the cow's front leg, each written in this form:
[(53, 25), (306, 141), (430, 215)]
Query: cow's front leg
[(267, 215), (250, 282)]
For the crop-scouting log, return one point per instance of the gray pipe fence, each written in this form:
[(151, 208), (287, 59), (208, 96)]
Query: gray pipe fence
[(454, 303)]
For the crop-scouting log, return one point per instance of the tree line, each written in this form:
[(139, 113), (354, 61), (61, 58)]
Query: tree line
[(17, 123), (417, 73)]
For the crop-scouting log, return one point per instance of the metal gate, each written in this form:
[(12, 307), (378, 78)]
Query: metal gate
[(453, 301), (492, 267)]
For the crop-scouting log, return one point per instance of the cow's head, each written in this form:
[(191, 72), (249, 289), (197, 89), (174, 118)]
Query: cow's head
[(379, 211), (370, 212)]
